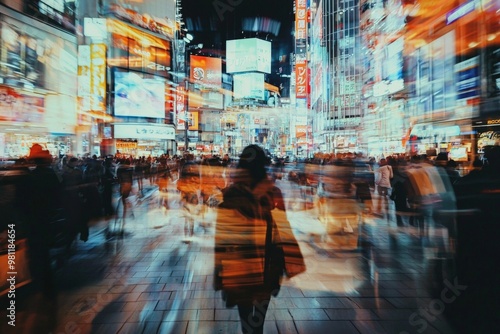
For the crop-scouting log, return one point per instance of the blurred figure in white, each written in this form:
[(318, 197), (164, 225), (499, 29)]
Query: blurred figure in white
[(383, 182)]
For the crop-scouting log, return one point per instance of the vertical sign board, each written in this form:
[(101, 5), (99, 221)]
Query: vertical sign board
[(98, 77), (2, 145), (301, 20), (301, 77), (193, 120), (84, 77), (180, 106)]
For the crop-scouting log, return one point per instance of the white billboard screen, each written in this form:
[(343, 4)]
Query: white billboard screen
[(248, 55), (138, 95), (248, 86), (144, 131)]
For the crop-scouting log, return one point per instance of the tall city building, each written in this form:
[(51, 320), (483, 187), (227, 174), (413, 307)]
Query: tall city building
[(336, 76)]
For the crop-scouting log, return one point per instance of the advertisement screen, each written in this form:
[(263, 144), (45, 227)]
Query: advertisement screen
[(249, 86), (249, 54), (393, 67), (138, 94), (488, 138), (467, 78), (60, 13), (34, 58), (303, 133), (192, 119), (205, 99), (153, 16), (206, 71), (458, 153), (493, 61), (144, 131), (18, 107), (134, 49)]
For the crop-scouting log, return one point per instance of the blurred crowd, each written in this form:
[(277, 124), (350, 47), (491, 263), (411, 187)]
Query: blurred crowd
[(81, 189), (417, 186)]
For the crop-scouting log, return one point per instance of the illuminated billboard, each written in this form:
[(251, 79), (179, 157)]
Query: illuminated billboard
[(98, 77), (303, 133), (301, 79), (34, 58), (205, 99), (206, 71), (248, 55), (193, 121), (18, 107), (137, 15), (248, 86), (138, 95), (59, 13), (137, 50), (144, 131)]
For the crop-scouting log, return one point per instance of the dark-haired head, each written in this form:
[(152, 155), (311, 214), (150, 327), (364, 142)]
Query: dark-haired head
[(492, 154), (254, 160)]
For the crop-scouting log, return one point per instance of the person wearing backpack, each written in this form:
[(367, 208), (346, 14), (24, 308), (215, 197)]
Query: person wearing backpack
[(251, 254)]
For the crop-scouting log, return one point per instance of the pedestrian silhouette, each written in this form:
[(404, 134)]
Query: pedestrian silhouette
[(250, 258), (39, 197), (189, 186)]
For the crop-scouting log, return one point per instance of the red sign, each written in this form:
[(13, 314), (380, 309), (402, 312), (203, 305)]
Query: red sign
[(206, 70), (301, 80)]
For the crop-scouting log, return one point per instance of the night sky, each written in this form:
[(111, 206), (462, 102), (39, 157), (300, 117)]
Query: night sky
[(212, 22)]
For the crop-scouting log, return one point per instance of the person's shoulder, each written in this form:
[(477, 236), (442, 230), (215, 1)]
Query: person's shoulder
[(46, 175), (235, 196), (476, 177)]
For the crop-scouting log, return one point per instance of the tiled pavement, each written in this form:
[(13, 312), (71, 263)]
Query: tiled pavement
[(152, 280)]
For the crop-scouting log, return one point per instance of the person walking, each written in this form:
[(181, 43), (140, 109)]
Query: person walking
[(107, 179), (477, 247), (249, 258), (125, 176), (189, 186), (39, 196), (383, 183), (399, 192), (74, 199)]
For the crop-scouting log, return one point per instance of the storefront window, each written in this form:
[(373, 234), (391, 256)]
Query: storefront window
[(18, 145)]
